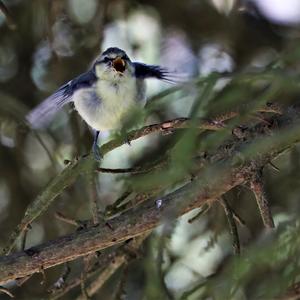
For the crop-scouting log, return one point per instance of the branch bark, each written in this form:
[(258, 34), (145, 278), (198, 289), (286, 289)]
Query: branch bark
[(135, 222)]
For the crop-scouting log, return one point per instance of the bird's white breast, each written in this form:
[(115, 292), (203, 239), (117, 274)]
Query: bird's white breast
[(105, 105)]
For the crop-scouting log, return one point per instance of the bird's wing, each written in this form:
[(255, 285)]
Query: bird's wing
[(144, 71), (40, 116)]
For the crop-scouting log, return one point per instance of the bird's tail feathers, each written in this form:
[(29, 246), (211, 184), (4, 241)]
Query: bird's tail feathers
[(42, 115)]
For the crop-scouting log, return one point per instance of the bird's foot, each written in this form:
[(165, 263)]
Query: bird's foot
[(127, 141), (96, 152)]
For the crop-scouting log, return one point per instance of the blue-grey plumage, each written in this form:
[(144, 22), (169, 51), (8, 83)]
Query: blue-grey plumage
[(104, 95)]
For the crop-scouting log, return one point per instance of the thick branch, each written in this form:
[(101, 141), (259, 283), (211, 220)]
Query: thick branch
[(257, 187), (219, 177), (135, 222)]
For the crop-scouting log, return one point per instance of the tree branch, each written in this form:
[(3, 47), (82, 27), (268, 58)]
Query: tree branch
[(135, 222), (223, 172), (9, 19), (86, 166)]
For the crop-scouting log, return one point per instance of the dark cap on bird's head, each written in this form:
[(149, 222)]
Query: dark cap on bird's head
[(114, 57), (114, 51)]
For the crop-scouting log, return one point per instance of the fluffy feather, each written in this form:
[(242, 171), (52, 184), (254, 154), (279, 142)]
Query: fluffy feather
[(144, 71), (40, 116)]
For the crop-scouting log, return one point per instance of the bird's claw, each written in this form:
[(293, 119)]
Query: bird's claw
[(96, 152), (127, 141)]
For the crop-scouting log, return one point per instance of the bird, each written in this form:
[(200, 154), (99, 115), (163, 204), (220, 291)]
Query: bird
[(104, 95)]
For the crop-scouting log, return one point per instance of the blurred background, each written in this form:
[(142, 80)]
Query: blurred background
[(44, 44)]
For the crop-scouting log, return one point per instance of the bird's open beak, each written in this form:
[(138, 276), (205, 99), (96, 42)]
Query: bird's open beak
[(119, 64)]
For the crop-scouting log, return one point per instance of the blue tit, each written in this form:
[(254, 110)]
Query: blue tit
[(103, 95)]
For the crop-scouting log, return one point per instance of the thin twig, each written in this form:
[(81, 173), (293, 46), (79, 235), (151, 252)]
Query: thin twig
[(274, 167), (136, 170), (204, 209), (84, 293), (232, 226), (88, 259), (257, 188), (114, 265), (67, 220), (42, 271), (120, 289), (9, 19), (94, 199), (88, 165), (21, 281), (6, 291), (236, 216), (103, 263), (23, 243), (102, 278)]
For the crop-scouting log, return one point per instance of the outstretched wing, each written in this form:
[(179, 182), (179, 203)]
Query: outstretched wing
[(144, 71), (41, 115)]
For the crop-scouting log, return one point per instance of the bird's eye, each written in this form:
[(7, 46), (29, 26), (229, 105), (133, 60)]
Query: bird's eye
[(105, 59)]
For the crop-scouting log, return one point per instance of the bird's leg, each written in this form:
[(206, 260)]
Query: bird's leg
[(127, 140), (96, 150), (125, 137)]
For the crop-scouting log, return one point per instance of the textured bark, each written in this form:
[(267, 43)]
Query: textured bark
[(132, 223)]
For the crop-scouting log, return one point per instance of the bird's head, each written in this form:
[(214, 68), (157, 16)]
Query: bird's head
[(113, 65)]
